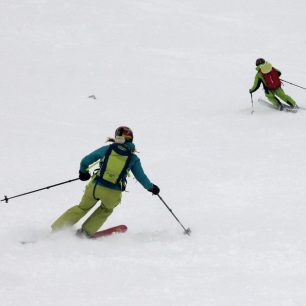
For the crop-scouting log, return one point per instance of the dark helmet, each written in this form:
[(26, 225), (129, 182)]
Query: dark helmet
[(260, 61), (126, 132)]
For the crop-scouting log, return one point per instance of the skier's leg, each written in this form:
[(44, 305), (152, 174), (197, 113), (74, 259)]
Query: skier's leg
[(280, 93), (110, 198), (75, 213), (273, 99)]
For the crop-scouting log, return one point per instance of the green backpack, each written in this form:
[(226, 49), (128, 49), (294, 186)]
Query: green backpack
[(114, 166)]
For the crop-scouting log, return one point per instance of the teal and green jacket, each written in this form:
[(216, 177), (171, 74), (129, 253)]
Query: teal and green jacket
[(134, 164), (260, 80)]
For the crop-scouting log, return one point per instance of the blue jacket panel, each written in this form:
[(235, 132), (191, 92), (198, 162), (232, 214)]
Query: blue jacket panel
[(135, 164)]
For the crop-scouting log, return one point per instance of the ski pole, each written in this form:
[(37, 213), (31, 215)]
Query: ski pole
[(6, 199), (252, 111), (293, 84), (186, 231)]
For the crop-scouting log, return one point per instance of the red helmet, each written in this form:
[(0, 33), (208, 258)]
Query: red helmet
[(126, 132)]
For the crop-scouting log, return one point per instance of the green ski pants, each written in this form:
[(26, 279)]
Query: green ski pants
[(273, 94), (109, 198)]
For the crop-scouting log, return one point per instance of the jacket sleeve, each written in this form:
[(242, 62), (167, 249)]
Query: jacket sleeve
[(139, 174), (256, 84), (91, 158)]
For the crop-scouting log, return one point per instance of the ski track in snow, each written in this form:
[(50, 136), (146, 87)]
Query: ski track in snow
[(178, 73)]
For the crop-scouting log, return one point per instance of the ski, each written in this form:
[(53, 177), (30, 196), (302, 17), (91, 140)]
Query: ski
[(286, 107), (107, 232), (110, 231)]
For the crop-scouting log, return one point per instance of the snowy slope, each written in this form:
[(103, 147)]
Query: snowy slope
[(178, 73)]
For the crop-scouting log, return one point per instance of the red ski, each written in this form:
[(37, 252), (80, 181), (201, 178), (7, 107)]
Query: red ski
[(110, 231)]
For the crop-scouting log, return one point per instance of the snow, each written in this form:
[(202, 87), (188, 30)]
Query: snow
[(178, 73)]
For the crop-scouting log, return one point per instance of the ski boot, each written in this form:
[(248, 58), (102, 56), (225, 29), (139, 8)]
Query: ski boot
[(293, 108), (281, 107), (82, 234)]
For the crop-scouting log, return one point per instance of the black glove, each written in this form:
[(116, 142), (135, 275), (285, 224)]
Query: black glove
[(154, 189), (84, 176)]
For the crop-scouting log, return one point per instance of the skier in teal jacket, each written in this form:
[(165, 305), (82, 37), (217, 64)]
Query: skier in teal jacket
[(268, 76), (116, 160)]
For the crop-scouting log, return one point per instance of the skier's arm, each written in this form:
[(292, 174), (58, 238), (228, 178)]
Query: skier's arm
[(91, 158), (256, 84), (139, 174)]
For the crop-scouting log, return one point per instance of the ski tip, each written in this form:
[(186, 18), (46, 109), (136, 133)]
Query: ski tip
[(123, 227), (120, 228)]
